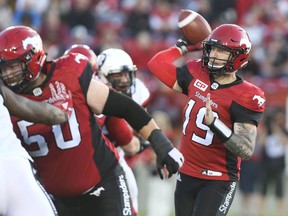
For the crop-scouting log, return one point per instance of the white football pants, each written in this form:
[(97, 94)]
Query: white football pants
[(21, 194)]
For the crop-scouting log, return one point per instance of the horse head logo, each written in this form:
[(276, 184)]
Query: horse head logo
[(260, 99)]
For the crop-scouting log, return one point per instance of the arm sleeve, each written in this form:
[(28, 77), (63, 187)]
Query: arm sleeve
[(122, 106), (161, 65)]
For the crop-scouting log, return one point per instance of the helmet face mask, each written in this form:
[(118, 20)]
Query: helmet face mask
[(231, 39), (117, 69), (15, 75), (122, 80), (218, 64), (20, 45)]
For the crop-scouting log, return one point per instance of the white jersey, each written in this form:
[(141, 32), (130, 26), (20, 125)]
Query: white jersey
[(20, 192), (10, 145), (141, 93)]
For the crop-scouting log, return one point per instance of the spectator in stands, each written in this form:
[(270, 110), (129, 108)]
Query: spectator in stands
[(6, 14), (138, 19), (274, 140), (26, 14), (81, 13)]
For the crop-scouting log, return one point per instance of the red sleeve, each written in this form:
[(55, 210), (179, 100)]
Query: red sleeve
[(161, 65), (119, 131)]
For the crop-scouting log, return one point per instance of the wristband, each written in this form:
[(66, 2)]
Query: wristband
[(220, 129), (160, 143)]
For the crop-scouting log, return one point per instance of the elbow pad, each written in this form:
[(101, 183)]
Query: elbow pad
[(122, 106)]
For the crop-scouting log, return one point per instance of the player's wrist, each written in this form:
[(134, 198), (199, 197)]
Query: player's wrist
[(143, 144), (160, 143), (185, 46), (220, 129), (181, 44)]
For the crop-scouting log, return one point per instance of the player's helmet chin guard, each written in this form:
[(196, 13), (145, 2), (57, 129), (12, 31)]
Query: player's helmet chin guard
[(231, 38), (86, 51), (115, 61), (23, 45)]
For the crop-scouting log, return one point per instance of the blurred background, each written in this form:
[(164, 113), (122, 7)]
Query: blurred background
[(144, 27)]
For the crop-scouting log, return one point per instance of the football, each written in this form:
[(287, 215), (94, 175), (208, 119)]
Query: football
[(193, 26)]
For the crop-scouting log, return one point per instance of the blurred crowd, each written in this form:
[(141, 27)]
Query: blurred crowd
[(144, 27)]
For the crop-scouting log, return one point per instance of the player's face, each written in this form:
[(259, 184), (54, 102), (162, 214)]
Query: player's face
[(122, 80), (218, 57), (12, 73)]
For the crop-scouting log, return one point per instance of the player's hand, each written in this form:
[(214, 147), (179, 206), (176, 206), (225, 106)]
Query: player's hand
[(61, 97), (172, 162), (208, 114), (186, 46), (143, 144), (167, 156)]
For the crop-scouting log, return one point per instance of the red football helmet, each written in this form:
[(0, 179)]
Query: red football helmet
[(231, 38), (23, 46), (86, 51)]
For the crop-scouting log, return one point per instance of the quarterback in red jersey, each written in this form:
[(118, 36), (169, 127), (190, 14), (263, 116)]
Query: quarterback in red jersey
[(220, 118), (78, 165)]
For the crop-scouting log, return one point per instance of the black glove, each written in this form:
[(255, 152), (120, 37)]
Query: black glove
[(143, 144), (167, 155), (186, 46)]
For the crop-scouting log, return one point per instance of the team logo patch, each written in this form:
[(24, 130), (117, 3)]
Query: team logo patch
[(179, 177), (80, 57), (200, 85), (97, 192), (37, 91), (211, 173), (214, 86), (260, 99)]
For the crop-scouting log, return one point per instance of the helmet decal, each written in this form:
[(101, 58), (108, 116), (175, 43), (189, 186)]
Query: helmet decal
[(245, 41), (101, 59), (35, 42)]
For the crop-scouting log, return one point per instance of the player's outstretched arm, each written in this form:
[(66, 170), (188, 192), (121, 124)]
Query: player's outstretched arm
[(162, 64), (101, 99), (32, 111)]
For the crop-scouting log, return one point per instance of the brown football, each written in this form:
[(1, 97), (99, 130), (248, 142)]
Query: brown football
[(193, 26)]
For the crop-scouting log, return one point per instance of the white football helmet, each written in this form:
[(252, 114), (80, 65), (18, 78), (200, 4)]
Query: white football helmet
[(116, 67)]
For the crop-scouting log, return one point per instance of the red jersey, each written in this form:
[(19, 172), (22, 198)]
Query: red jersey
[(73, 157), (116, 129), (205, 156)]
